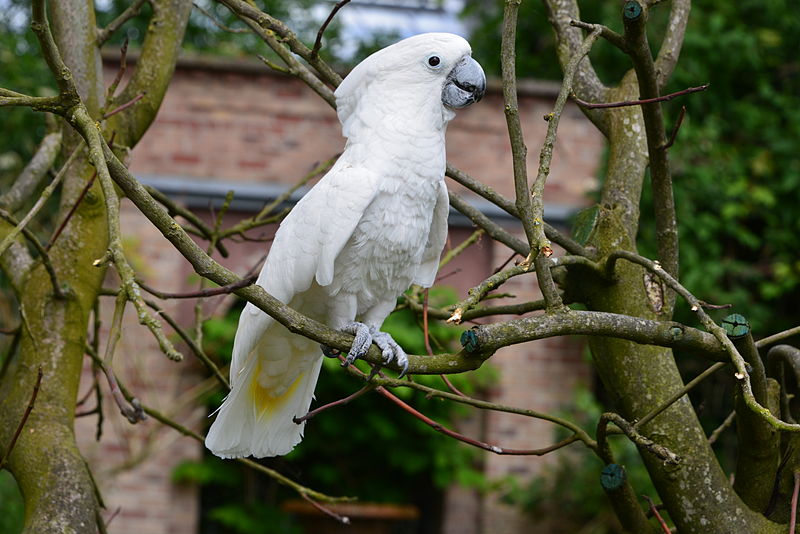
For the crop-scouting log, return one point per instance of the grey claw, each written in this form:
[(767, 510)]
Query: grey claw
[(361, 343), (330, 352), (390, 349)]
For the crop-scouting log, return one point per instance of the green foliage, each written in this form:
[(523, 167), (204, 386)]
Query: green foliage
[(573, 483), (21, 70), (212, 470), (204, 35), (535, 40), (12, 507), (735, 164), (254, 519)]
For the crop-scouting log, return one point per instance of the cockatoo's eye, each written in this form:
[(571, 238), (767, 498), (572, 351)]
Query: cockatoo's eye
[(434, 62)]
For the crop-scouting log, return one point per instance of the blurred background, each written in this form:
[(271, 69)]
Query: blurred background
[(228, 123)]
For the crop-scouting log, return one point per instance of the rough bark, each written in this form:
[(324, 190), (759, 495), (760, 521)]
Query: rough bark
[(639, 378), (57, 487)]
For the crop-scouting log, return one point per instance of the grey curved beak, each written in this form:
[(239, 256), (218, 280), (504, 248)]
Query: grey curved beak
[(465, 84)]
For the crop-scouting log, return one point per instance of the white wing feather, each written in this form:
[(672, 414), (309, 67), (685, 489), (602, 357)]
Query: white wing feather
[(306, 245), (426, 273), (270, 365)]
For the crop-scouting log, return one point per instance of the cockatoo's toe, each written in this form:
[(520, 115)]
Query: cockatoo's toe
[(364, 337), (391, 350), (361, 343)]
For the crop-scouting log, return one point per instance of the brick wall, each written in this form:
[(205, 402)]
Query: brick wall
[(231, 121)]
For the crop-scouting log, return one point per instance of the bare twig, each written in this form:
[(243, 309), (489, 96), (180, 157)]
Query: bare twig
[(278, 477), (278, 36), (661, 452), (540, 245), (132, 11), (201, 293), (123, 66), (477, 293), (780, 336), (25, 415), (508, 206), (519, 151), (124, 106), (217, 23), (481, 311), (133, 411), (334, 404), (174, 209), (430, 392), (654, 511), (461, 247), (675, 397), (674, 134), (664, 98), (494, 230), (318, 42), (261, 217), (605, 32), (343, 519), (793, 512), (722, 427), (40, 202), (470, 441), (71, 211), (44, 257), (268, 27)]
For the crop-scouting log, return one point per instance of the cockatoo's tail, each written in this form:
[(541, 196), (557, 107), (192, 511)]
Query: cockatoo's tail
[(372, 226)]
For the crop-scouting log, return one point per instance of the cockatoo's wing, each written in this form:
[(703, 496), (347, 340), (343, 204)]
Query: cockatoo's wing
[(274, 372), (426, 273), (306, 245)]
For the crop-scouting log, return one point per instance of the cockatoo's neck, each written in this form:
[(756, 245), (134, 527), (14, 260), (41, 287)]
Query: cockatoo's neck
[(406, 129)]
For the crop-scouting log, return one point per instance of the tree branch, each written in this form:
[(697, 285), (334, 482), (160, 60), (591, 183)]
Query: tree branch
[(588, 86), (33, 174), (508, 206), (318, 42), (663, 200), (266, 22), (484, 340), (664, 98), (672, 42), (519, 151), (477, 293), (494, 230), (58, 291), (25, 415), (104, 34), (741, 375), (39, 204), (295, 322)]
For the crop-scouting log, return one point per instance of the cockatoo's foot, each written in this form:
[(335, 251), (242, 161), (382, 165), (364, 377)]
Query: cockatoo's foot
[(365, 336)]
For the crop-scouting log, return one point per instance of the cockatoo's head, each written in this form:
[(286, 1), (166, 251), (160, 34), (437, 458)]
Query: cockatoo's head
[(424, 73)]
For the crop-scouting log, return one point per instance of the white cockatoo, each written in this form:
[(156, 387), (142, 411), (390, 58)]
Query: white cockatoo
[(372, 226)]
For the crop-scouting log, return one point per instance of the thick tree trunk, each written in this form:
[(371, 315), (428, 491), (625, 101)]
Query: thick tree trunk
[(639, 378), (56, 484)]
